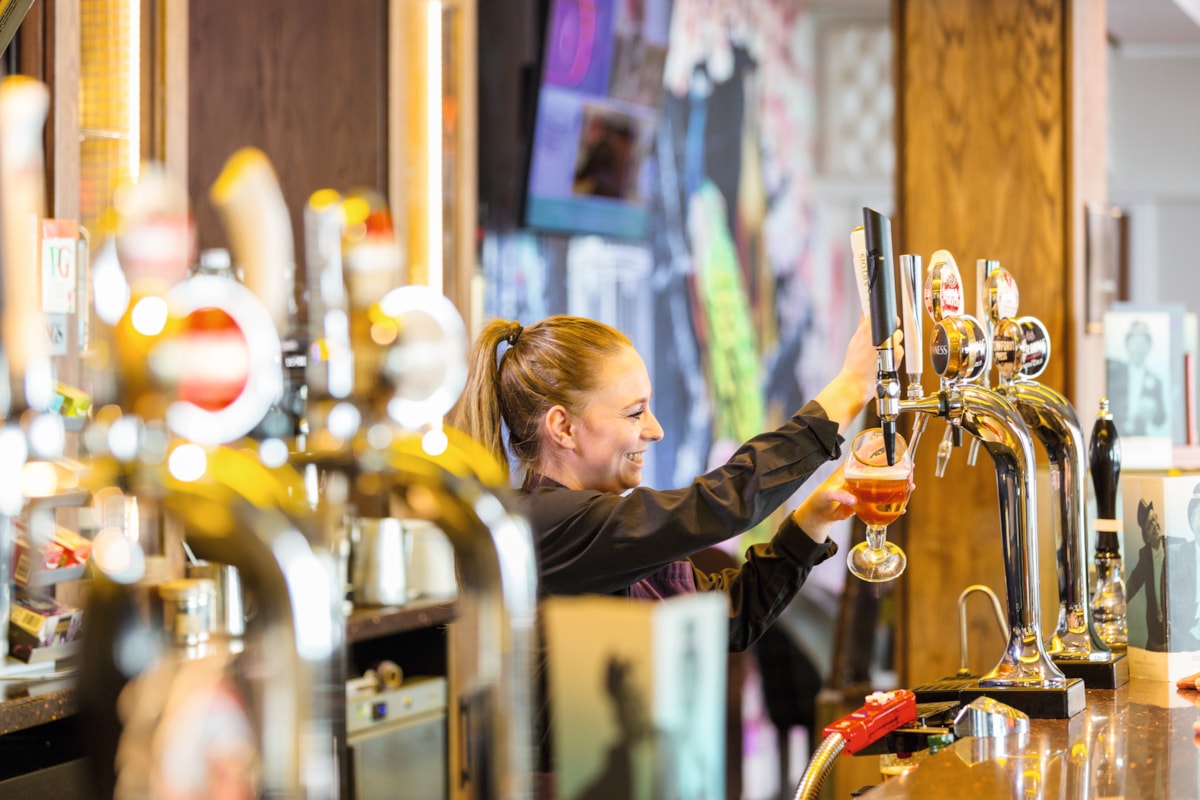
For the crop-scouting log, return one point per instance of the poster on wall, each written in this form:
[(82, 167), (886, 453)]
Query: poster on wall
[(590, 167)]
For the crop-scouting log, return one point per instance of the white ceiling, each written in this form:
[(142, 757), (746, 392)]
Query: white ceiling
[(1153, 23)]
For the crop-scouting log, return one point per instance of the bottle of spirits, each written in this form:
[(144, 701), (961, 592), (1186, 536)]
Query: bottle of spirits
[(1108, 600)]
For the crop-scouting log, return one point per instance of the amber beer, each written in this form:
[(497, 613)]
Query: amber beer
[(881, 499)]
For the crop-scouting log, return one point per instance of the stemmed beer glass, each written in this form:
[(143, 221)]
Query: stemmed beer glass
[(882, 493)]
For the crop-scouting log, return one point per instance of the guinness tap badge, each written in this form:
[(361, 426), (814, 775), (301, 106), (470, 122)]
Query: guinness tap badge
[(960, 348)]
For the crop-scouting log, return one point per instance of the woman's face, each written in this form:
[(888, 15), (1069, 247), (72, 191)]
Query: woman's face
[(613, 431)]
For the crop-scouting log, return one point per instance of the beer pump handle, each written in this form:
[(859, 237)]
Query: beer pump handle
[(24, 107), (858, 253), (984, 308), (881, 285), (250, 203), (329, 368), (1104, 463), (910, 314)]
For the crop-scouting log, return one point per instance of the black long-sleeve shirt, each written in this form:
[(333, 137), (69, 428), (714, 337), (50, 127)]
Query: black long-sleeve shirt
[(601, 542)]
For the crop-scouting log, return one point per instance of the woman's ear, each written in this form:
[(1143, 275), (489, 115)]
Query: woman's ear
[(559, 430)]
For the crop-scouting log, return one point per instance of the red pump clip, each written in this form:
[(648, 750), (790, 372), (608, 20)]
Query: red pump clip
[(882, 713)]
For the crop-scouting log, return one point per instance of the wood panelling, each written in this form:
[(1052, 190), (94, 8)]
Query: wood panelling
[(1087, 72), (47, 48), (171, 80), (303, 80), (984, 112)]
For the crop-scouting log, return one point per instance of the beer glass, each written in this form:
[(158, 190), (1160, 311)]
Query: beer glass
[(882, 493)]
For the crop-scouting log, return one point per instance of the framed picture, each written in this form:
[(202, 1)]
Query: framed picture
[(637, 692), (1107, 263), (1161, 550), (1144, 349)]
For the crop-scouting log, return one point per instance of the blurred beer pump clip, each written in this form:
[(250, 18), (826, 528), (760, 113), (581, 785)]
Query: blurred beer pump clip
[(242, 500)]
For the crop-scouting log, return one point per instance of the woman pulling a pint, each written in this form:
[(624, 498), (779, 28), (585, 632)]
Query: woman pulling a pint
[(568, 398)]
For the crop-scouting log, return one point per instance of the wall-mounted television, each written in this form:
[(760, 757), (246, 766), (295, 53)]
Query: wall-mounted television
[(590, 164)]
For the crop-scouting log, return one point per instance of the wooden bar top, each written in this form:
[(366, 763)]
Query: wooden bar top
[(1135, 741)]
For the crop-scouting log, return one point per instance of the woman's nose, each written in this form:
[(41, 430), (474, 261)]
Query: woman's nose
[(653, 431)]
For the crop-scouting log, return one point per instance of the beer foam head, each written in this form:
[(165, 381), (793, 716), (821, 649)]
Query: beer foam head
[(897, 472)]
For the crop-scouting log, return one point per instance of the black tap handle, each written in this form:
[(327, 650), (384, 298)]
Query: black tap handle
[(1104, 463), (881, 275), (881, 291)]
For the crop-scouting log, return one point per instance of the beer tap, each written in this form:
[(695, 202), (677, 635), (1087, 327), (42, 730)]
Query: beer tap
[(994, 293), (914, 340), (441, 474), (199, 362), (998, 425), (910, 318), (1022, 350), (960, 355), (396, 357), (881, 288), (26, 372), (943, 297)]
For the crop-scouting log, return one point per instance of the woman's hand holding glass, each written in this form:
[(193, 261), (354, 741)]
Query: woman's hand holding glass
[(882, 492)]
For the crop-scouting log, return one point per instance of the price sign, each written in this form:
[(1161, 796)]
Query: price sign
[(59, 270)]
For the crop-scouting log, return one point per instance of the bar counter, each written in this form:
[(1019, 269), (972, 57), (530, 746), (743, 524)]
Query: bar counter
[(1134, 742)]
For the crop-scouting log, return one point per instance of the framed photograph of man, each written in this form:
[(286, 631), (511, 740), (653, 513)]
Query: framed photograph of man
[(1161, 549), (1144, 371)]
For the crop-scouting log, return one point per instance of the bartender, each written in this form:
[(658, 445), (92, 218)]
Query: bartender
[(568, 398)]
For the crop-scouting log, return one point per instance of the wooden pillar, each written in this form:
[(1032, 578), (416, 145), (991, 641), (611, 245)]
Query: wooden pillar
[(1000, 143)]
